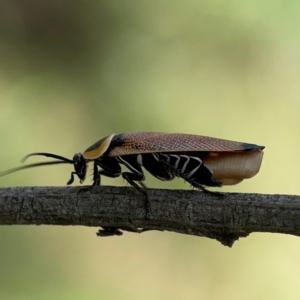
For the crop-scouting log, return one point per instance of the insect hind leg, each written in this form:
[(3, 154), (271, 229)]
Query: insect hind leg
[(110, 168)]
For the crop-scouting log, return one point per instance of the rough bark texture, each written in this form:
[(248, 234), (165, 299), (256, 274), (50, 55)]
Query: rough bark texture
[(225, 218)]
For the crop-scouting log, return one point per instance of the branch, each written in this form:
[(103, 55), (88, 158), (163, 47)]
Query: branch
[(225, 218)]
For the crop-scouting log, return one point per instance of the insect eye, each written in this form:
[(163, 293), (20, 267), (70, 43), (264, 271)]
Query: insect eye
[(77, 158), (80, 165)]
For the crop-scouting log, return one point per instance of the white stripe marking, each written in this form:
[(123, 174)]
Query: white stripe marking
[(155, 156), (194, 170), (167, 156), (129, 166), (139, 159), (177, 161), (185, 164)]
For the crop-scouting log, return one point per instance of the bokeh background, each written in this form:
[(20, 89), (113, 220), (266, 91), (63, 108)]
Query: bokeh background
[(74, 72)]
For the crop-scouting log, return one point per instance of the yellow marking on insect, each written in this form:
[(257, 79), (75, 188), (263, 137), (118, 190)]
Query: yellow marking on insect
[(213, 154), (98, 148)]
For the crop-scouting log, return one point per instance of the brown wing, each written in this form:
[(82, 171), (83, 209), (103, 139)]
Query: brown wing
[(151, 142)]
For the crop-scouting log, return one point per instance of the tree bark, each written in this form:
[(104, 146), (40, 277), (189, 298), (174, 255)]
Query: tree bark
[(225, 218)]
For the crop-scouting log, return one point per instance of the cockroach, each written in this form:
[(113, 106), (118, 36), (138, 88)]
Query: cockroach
[(199, 160)]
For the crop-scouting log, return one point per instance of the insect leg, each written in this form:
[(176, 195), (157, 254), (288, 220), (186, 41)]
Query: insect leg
[(131, 178), (72, 178), (96, 181), (111, 231), (133, 164), (96, 175), (110, 168)]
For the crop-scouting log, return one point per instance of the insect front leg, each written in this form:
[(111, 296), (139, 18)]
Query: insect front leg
[(72, 178), (96, 175), (108, 173), (110, 168)]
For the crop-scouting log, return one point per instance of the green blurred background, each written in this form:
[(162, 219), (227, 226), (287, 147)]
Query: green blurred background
[(72, 73)]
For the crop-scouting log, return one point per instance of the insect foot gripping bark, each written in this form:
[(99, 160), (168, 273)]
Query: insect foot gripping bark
[(200, 160)]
